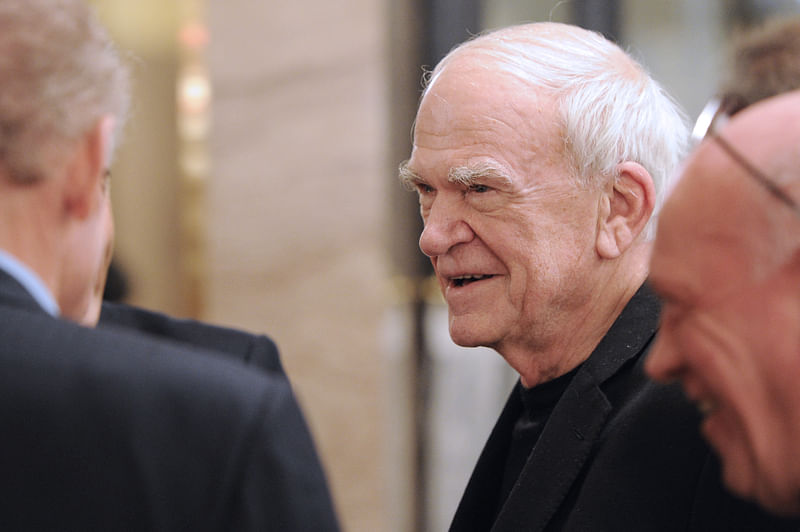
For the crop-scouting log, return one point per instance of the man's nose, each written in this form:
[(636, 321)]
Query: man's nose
[(663, 362), (445, 227)]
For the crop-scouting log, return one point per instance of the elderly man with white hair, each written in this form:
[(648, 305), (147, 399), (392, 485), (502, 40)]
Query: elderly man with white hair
[(541, 153)]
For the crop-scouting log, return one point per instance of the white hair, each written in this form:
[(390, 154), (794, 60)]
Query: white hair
[(611, 109), (59, 75)]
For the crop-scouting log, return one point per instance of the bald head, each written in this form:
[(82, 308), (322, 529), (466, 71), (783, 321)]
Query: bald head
[(719, 203), (726, 263)]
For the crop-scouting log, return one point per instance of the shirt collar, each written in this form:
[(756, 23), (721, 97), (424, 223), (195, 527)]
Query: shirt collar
[(30, 281)]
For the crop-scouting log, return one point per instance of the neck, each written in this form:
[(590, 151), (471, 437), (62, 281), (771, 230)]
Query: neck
[(572, 339), (27, 230)]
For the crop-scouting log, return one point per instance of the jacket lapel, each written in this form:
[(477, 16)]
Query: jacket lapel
[(575, 425), (478, 506), (570, 433)]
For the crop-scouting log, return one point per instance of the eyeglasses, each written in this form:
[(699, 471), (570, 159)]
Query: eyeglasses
[(711, 119)]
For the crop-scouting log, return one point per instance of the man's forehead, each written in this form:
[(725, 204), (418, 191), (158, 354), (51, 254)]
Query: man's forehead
[(703, 243), (683, 224), (472, 86), (716, 231), (482, 127)]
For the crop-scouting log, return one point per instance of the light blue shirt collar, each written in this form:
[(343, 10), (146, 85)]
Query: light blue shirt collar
[(30, 281)]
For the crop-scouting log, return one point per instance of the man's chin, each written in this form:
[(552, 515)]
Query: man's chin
[(465, 342), (781, 497), (466, 336)]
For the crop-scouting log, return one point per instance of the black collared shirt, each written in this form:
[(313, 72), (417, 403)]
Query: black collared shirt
[(538, 403)]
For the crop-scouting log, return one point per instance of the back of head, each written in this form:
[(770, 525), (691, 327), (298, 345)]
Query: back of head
[(59, 75), (765, 61), (611, 109)]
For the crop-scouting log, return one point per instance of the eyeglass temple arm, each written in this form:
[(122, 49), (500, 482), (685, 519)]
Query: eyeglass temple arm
[(757, 174)]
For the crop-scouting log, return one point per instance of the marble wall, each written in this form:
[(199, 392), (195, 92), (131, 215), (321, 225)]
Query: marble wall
[(303, 222), (295, 215)]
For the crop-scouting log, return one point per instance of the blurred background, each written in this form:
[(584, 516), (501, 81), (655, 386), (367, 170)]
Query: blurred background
[(256, 187)]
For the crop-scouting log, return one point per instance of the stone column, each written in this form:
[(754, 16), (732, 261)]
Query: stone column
[(296, 215)]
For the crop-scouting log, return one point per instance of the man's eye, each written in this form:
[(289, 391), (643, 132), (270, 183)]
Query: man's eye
[(479, 188), (424, 188)]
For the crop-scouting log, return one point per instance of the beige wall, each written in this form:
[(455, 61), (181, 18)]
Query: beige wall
[(295, 215), (145, 173), (293, 220), (293, 228)]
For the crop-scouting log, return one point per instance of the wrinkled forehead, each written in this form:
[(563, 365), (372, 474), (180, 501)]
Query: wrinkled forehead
[(474, 75), (482, 105)]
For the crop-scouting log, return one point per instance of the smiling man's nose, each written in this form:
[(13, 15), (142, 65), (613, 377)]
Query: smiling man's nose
[(444, 228), (663, 362)]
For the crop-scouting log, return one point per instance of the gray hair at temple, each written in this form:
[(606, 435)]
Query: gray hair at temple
[(59, 75), (611, 109)]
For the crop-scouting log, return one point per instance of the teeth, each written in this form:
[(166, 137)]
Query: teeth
[(462, 280), (469, 277)]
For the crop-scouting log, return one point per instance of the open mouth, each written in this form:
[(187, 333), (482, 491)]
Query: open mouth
[(464, 280)]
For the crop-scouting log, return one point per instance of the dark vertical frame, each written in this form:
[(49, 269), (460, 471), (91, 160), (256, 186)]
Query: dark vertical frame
[(602, 16), (422, 32), (408, 266), (446, 24)]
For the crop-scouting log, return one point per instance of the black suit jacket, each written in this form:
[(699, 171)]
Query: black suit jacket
[(619, 453), (255, 350), (106, 430)]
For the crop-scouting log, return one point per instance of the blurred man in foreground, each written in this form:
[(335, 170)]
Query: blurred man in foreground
[(727, 263), (110, 430)]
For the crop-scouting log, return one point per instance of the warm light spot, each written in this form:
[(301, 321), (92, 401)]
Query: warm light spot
[(194, 93), (193, 35)]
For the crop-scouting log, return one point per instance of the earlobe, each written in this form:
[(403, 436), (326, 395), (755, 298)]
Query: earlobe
[(606, 244), (626, 207)]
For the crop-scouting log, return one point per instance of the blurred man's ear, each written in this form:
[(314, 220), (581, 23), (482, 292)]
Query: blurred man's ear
[(90, 158), (627, 205)]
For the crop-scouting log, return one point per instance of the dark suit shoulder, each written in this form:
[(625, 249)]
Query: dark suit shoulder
[(650, 468), (108, 430), (254, 349), (619, 452)]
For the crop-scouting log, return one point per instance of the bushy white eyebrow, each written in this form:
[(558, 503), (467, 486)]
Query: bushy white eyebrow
[(408, 177), (483, 173)]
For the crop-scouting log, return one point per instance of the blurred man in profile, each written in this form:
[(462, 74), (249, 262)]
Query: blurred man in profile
[(764, 62), (727, 264), (110, 429)]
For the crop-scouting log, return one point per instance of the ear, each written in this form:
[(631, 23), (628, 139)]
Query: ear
[(625, 210), (90, 158)]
